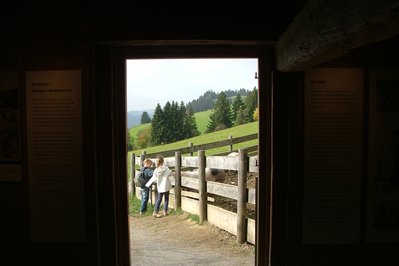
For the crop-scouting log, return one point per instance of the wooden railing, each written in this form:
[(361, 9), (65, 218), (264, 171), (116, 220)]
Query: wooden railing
[(243, 227)]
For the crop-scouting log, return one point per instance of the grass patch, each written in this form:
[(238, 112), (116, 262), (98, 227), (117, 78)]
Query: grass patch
[(194, 218), (136, 129), (202, 120), (134, 207), (135, 204), (178, 211)]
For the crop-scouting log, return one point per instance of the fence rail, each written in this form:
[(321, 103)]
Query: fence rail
[(218, 162), (243, 195)]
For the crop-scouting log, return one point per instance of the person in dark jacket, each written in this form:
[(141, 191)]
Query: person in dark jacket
[(148, 172)]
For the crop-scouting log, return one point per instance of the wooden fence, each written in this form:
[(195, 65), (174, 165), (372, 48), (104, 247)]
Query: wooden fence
[(236, 223)]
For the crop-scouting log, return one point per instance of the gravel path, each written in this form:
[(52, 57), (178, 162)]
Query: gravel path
[(176, 240)]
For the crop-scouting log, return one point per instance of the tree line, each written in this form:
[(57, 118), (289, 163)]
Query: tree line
[(172, 123), (176, 122), (207, 100), (226, 114)]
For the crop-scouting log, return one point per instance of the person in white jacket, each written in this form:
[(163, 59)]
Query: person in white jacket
[(161, 174)]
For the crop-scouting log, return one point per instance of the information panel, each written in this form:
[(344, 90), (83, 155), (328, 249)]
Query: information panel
[(333, 142), (383, 179), (55, 160)]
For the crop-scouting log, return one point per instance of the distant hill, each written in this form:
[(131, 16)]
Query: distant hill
[(134, 117)]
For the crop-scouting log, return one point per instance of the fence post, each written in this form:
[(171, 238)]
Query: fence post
[(190, 146), (242, 197), (231, 142), (142, 157), (133, 172), (202, 187), (177, 180)]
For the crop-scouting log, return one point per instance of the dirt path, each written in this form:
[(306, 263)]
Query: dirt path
[(176, 240)]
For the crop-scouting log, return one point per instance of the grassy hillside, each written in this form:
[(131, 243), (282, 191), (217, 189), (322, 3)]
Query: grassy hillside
[(136, 129), (202, 119), (237, 131)]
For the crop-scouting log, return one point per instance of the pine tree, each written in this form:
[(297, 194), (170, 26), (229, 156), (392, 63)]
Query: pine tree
[(182, 134), (190, 124), (251, 103), (211, 124), (157, 125), (221, 116), (240, 117), (174, 123), (145, 118), (237, 105), (168, 127)]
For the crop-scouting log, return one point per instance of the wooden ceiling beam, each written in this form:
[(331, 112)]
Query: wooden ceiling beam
[(326, 29)]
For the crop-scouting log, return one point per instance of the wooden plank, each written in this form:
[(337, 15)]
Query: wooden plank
[(172, 201), (190, 182), (223, 219), (321, 32), (170, 161), (254, 153), (189, 161), (216, 188), (251, 231), (222, 162), (137, 160), (245, 138), (190, 205), (224, 190), (194, 195), (224, 153), (211, 145), (251, 149), (254, 164), (251, 196)]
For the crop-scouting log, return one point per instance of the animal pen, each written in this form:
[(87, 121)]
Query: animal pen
[(192, 194)]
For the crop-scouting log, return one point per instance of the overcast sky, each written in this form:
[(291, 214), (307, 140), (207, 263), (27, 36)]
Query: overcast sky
[(153, 81)]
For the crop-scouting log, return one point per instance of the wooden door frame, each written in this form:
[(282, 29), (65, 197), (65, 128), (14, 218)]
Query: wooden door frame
[(195, 49)]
